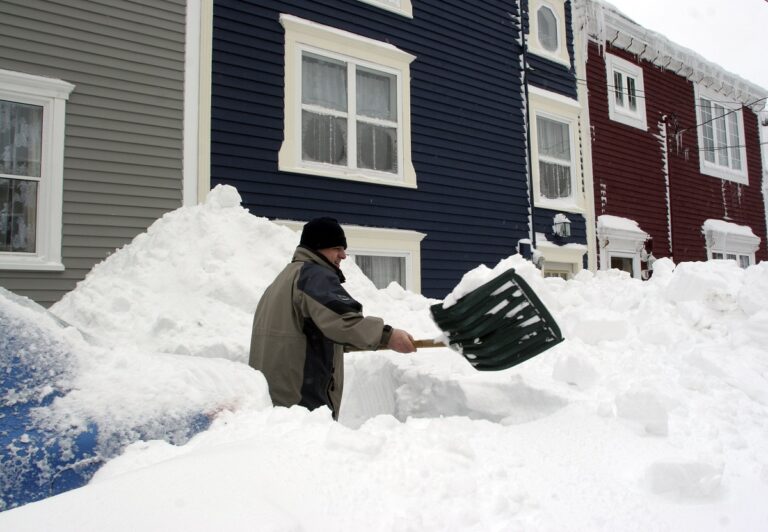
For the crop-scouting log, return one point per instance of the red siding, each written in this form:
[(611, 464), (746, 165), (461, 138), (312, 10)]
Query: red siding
[(629, 173)]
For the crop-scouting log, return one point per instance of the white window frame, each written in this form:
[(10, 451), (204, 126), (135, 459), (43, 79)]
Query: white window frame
[(556, 107), (616, 111), (534, 46), (50, 94), (401, 7), (715, 169), (302, 35), (383, 242), (741, 242)]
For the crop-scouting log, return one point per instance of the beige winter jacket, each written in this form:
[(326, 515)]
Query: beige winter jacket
[(301, 325)]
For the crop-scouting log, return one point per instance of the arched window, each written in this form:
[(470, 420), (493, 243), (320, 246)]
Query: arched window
[(547, 24)]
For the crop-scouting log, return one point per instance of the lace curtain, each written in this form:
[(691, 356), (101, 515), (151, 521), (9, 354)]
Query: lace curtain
[(382, 270), (554, 144)]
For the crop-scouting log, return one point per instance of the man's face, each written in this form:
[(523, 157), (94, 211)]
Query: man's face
[(335, 255)]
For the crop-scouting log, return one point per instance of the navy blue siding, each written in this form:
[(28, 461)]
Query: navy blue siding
[(468, 135)]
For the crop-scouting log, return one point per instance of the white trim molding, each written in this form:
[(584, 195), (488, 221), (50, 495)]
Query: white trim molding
[(306, 36), (197, 102), (52, 95), (401, 7)]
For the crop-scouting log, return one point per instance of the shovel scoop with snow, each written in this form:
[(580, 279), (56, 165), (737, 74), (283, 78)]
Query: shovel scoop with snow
[(497, 325)]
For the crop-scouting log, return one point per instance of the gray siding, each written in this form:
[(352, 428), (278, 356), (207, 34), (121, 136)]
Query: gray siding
[(123, 147)]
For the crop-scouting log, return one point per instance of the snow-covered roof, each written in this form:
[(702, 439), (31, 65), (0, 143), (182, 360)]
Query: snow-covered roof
[(604, 23)]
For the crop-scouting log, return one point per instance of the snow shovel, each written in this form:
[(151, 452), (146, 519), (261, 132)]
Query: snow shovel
[(499, 324)]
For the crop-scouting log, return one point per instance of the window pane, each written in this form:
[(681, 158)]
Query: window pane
[(547, 29), (721, 135), (717, 256), (323, 138), (376, 94), (708, 134), (734, 141), (618, 88), (21, 138), (730, 256), (623, 263), (382, 270), (554, 139), (744, 261), (323, 82), (376, 147), (631, 94), (18, 215), (554, 180)]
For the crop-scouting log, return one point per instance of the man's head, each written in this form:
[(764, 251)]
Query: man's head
[(325, 236)]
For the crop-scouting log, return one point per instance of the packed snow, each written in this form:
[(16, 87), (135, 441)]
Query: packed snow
[(651, 415)]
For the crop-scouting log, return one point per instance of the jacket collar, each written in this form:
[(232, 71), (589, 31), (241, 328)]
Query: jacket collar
[(305, 254)]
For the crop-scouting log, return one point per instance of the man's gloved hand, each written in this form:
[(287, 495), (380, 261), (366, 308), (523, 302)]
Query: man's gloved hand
[(401, 341)]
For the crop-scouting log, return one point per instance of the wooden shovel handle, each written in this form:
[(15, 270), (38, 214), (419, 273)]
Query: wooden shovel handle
[(416, 343), (428, 343)]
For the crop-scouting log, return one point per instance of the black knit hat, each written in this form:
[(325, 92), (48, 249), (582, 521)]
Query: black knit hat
[(322, 233)]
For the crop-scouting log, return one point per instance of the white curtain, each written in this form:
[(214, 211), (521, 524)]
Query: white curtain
[(554, 145), (382, 270), (376, 99), (324, 134)]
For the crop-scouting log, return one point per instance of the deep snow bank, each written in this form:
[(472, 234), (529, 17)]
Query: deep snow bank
[(190, 284)]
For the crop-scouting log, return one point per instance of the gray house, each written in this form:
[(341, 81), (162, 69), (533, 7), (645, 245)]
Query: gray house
[(98, 130)]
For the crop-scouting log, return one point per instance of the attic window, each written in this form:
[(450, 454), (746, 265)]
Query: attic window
[(546, 19), (626, 92), (547, 33)]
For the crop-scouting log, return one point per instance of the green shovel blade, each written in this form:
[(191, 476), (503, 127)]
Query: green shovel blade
[(499, 324)]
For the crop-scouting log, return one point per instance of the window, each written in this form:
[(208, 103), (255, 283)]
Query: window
[(384, 255), (626, 92), (32, 113), (547, 30), (346, 116), (402, 7), (555, 168), (722, 152), (382, 269), (729, 241)]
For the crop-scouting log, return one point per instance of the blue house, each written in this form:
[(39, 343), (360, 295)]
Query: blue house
[(407, 121)]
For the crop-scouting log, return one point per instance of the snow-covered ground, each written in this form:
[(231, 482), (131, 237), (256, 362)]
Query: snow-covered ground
[(651, 415)]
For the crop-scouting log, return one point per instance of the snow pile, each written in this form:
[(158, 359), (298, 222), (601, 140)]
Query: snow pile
[(651, 415), (190, 284)]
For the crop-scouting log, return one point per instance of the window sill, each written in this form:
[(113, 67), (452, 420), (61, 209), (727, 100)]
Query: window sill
[(350, 176), (11, 262), (628, 119), (724, 173), (566, 205)]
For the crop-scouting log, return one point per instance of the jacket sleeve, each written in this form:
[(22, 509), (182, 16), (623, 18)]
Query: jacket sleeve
[(340, 318)]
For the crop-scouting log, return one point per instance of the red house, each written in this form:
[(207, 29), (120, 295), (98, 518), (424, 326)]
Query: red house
[(676, 160)]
